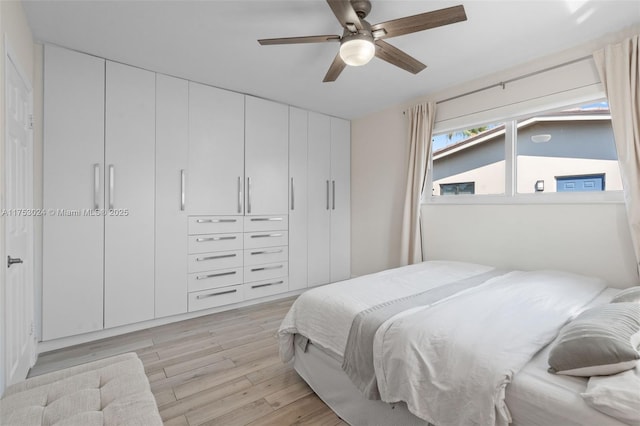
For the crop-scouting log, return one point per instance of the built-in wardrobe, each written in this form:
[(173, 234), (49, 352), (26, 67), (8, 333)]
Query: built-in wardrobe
[(166, 196)]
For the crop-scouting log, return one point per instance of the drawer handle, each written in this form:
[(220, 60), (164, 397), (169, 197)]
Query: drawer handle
[(266, 235), (267, 268), (204, 296), (253, 253), (222, 256), (265, 219), (215, 220), (201, 240), (267, 284), (222, 274)]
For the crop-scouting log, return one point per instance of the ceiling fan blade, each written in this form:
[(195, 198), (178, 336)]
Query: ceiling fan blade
[(420, 22), (397, 57), (296, 40), (345, 13), (335, 69)]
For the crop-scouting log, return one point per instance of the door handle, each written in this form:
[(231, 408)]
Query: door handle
[(183, 186), (333, 193), (327, 195), (249, 195), (112, 184), (96, 186), (13, 261)]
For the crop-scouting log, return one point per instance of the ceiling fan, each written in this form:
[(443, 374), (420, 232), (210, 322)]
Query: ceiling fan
[(361, 41)]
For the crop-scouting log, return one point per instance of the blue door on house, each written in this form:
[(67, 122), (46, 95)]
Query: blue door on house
[(580, 183)]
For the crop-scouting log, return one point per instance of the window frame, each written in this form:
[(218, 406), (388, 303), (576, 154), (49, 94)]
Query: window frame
[(511, 195)]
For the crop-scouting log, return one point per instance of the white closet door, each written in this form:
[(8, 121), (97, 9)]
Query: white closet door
[(298, 128), (172, 142), (266, 156), (340, 199), (319, 186), (130, 163), (216, 151), (73, 154)]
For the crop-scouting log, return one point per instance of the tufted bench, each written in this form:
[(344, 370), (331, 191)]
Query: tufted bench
[(111, 391)]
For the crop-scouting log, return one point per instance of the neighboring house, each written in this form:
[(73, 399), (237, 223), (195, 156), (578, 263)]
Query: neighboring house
[(570, 150)]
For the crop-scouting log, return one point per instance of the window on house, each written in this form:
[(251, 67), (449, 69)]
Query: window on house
[(571, 149), (473, 156), (457, 188)]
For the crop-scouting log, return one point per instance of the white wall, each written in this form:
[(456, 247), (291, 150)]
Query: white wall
[(590, 239), (380, 151), (379, 160), (15, 32)]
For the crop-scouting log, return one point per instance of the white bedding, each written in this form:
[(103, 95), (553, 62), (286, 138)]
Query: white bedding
[(468, 347), (325, 314)]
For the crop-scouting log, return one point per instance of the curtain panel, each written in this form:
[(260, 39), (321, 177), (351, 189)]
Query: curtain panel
[(421, 121), (619, 69)]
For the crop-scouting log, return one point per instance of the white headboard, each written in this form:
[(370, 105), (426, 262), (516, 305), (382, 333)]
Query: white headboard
[(590, 239)]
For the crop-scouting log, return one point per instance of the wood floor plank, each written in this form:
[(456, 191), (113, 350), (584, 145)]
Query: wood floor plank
[(218, 369), (243, 415), (289, 414)]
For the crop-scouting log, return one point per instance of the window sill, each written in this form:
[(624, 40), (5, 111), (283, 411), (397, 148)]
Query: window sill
[(606, 197)]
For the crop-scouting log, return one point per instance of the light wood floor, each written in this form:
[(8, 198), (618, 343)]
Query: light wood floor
[(220, 369)]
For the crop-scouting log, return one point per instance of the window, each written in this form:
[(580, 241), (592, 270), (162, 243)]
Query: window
[(568, 149), (473, 156), (457, 188), (573, 147)]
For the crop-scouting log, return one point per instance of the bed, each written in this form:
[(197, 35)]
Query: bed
[(362, 346)]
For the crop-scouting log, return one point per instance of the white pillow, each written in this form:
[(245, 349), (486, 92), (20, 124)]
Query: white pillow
[(617, 396)]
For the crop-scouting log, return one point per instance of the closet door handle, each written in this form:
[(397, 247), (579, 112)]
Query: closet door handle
[(266, 235), (182, 190), (266, 268), (96, 186), (215, 221), (267, 284), (333, 193), (292, 196), (204, 296), (112, 184), (239, 195), (249, 195), (254, 253), (222, 256), (221, 274), (327, 195), (201, 240)]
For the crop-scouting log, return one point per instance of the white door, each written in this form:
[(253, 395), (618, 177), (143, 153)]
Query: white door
[(73, 245), (319, 188), (172, 143), (340, 199), (19, 299), (129, 246), (216, 151), (266, 150), (297, 198)]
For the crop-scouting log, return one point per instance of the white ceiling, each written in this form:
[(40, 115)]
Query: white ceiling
[(214, 42)]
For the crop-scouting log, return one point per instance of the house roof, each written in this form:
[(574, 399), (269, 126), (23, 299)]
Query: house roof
[(573, 114)]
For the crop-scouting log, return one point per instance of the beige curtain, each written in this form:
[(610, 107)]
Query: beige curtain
[(421, 119), (619, 70)]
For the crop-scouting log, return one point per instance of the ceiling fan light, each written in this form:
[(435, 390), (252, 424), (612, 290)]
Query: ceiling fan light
[(357, 51)]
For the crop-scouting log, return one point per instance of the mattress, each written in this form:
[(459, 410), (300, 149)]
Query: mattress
[(535, 397)]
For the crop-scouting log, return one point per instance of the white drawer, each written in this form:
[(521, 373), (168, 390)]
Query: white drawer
[(214, 224), (216, 297), (266, 272), (265, 239), (217, 260), (266, 223), (214, 242), (260, 256), (214, 279), (266, 288)]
